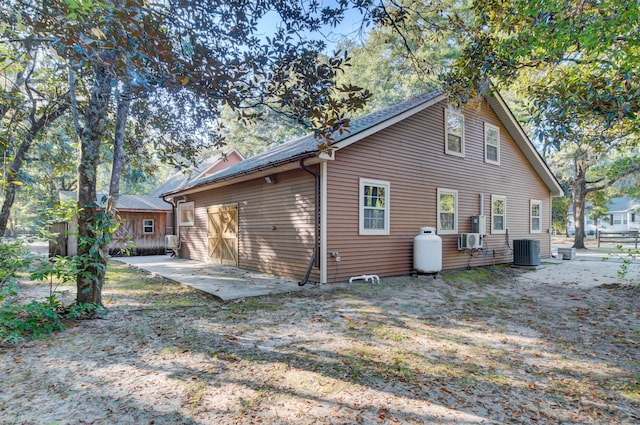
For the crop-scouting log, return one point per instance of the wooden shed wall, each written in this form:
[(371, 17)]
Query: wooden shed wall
[(410, 155), (131, 228), (275, 223)]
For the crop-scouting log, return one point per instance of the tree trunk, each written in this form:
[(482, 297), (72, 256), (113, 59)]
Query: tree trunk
[(91, 251), (9, 198), (579, 200), (16, 164), (122, 114)]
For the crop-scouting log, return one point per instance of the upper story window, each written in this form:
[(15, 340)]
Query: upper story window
[(536, 216), (447, 211), (454, 132), (147, 226), (374, 207), (186, 214), (498, 214), (491, 143)]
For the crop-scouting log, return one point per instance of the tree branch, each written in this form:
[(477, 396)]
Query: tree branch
[(609, 182)]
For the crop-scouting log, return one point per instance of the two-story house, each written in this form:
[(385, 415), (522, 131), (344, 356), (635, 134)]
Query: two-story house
[(356, 210)]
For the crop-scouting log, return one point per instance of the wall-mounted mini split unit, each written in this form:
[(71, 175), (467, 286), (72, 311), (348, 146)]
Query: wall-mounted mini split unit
[(171, 241), (469, 241)]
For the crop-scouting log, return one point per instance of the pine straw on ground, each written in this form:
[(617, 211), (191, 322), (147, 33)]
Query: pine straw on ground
[(479, 346)]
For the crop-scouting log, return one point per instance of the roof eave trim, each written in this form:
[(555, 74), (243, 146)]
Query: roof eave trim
[(203, 186), (527, 147), (143, 210)]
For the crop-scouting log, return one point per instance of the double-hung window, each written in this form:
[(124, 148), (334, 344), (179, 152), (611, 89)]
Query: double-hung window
[(374, 207), (454, 132), (536, 216), (498, 214), (447, 211), (491, 144), (147, 226)]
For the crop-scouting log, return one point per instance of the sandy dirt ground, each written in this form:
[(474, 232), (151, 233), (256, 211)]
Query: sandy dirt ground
[(560, 345)]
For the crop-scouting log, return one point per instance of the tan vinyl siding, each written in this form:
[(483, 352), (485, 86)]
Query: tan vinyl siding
[(287, 206), (410, 155)]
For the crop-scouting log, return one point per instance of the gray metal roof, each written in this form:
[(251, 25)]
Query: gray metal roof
[(126, 202), (172, 183), (617, 204), (622, 204), (307, 145)]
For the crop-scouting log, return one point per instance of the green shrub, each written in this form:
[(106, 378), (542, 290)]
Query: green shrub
[(36, 319), (19, 322), (14, 258)]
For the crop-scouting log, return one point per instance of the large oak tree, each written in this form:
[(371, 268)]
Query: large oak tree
[(586, 54), (186, 61)]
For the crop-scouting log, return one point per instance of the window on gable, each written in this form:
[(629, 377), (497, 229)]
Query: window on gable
[(147, 227), (374, 207), (454, 132), (186, 213), (536, 216), (491, 143), (498, 214), (447, 211)]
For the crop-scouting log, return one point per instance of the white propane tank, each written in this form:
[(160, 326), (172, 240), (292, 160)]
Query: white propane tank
[(427, 251)]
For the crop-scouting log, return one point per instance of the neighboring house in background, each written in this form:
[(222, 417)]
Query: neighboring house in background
[(143, 226), (623, 213), (356, 210)]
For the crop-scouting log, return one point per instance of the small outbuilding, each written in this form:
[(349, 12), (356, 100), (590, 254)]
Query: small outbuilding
[(143, 226)]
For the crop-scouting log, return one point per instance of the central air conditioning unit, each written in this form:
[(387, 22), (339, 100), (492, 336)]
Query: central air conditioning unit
[(526, 252), (469, 241)]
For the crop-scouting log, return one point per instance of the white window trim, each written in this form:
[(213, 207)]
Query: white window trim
[(504, 200), (153, 226), (531, 216), (180, 207), (387, 196), (460, 115), (488, 127), (617, 217), (453, 192)]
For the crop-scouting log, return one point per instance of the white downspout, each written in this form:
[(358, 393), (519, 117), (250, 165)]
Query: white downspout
[(176, 219), (323, 222)]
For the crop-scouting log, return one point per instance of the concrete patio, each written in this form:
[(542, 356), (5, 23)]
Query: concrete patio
[(224, 282)]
